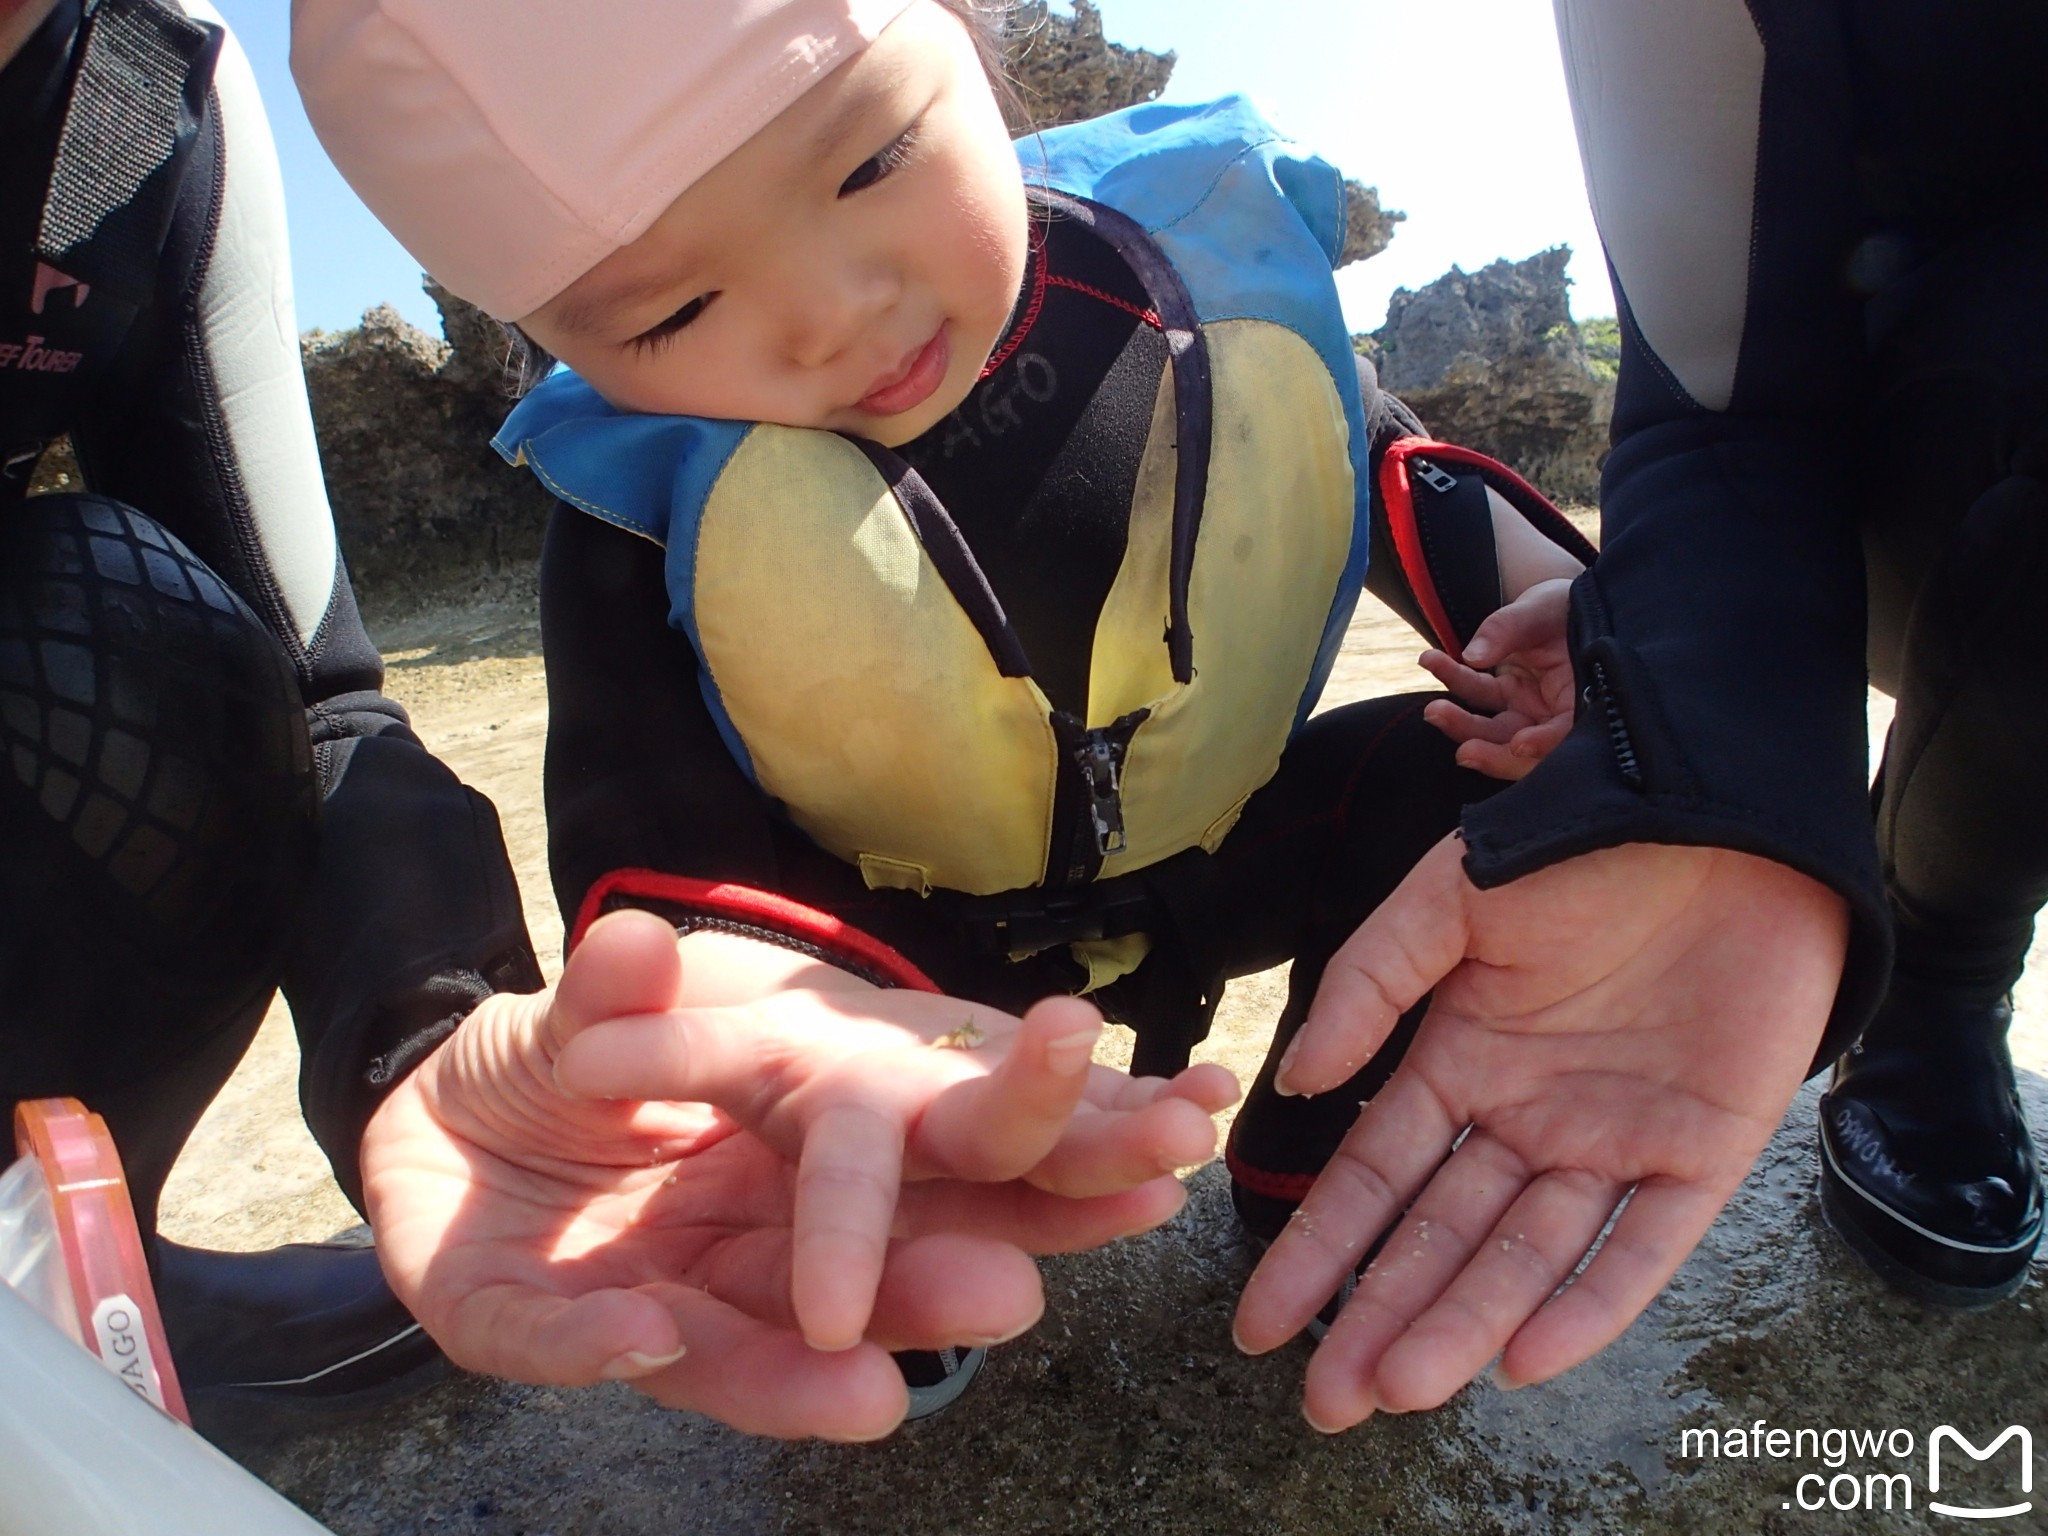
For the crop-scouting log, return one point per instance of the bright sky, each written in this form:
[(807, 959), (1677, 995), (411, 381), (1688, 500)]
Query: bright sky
[(1454, 109)]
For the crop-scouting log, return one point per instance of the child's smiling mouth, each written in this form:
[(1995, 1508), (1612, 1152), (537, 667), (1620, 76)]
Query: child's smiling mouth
[(913, 383)]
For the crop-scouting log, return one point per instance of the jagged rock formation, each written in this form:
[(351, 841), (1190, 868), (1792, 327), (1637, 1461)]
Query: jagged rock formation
[(1066, 71), (405, 423), (1368, 228), (1491, 359)]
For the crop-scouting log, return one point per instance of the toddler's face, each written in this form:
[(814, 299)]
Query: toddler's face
[(850, 267)]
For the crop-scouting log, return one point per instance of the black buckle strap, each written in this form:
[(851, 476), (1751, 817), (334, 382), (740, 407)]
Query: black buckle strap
[(133, 122), (1174, 897), (1024, 922)]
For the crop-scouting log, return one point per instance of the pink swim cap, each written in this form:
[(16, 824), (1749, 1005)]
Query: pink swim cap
[(511, 145)]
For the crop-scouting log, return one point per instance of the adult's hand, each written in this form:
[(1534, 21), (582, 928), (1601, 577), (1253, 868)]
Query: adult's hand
[(559, 1234), (1630, 1024)]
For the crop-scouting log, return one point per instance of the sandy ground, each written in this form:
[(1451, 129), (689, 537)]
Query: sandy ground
[(1128, 1403)]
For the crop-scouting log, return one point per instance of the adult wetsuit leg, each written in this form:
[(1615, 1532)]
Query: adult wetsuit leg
[(1930, 1171), (159, 808)]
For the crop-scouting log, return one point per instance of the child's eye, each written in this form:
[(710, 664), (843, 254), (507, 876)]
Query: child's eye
[(879, 167), (657, 336)]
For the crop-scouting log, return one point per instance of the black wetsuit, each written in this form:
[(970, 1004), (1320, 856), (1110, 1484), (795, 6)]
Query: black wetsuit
[(203, 790), (1828, 227), (1037, 468)]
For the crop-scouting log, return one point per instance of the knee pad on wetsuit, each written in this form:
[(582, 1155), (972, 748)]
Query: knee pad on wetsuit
[(157, 797)]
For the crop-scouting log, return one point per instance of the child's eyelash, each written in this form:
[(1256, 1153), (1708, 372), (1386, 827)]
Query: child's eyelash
[(655, 337), (874, 169), (881, 167)]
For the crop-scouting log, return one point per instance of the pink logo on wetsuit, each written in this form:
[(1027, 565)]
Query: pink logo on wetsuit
[(48, 281)]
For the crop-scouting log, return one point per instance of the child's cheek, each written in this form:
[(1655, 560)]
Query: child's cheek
[(991, 248)]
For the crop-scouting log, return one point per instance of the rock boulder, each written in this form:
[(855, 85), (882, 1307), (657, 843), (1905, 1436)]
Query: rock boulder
[(1492, 360), (1066, 71), (405, 422)]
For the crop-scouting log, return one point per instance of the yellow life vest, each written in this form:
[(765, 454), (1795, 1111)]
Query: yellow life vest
[(854, 656)]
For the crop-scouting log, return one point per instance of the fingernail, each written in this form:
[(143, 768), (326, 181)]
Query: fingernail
[(1321, 1429), (1180, 1202), (991, 1340), (1504, 1381), (636, 1362), (1478, 653), (1280, 1083), (1071, 1054)]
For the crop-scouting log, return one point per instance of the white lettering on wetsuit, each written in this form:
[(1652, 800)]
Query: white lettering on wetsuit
[(1035, 381)]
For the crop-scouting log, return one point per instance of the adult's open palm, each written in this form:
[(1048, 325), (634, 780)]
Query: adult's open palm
[(629, 1230), (1627, 1025)]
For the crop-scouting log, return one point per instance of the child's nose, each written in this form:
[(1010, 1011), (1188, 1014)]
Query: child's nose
[(832, 309)]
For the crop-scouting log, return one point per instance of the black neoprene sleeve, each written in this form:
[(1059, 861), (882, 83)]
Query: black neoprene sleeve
[(1718, 644), (1719, 640)]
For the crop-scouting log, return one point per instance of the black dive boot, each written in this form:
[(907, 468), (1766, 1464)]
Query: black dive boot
[(292, 1338), (1926, 1167), (938, 1377)]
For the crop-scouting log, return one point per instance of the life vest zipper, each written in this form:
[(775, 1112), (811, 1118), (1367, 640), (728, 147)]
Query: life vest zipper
[(1088, 824), (1101, 759)]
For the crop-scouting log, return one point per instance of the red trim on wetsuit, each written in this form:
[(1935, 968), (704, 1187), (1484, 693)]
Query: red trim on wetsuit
[(1264, 1181), (1075, 285), (1039, 275), (1042, 278), (771, 915), (1398, 495)]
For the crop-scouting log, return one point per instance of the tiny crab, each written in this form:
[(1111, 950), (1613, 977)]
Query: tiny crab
[(965, 1038)]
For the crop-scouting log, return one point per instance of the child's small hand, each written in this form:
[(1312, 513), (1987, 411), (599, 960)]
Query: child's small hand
[(865, 1090), (1528, 695)]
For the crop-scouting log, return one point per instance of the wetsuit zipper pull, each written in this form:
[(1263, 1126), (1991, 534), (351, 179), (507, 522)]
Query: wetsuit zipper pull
[(1100, 757), (1599, 695), (1436, 479)]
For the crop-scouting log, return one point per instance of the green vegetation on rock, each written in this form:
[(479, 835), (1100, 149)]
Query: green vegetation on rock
[(1602, 340)]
